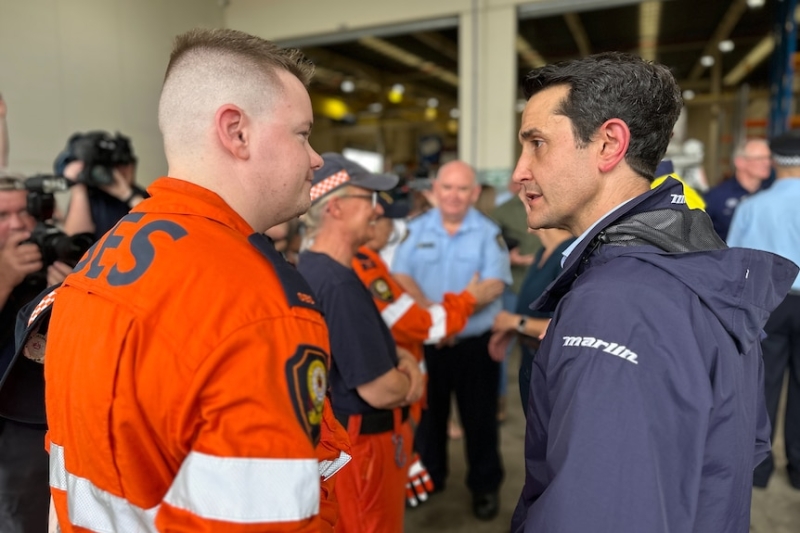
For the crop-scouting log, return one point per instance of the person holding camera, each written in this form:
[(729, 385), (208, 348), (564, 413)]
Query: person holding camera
[(104, 169), (24, 490)]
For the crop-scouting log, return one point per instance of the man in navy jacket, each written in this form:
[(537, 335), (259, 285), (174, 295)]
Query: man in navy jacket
[(646, 408)]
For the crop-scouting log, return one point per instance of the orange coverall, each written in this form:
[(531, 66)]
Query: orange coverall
[(186, 378), (411, 324)]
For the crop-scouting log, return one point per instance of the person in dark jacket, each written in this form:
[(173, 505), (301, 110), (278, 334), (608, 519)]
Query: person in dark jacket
[(646, 404)]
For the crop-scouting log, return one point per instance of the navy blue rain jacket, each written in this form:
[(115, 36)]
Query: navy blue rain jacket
[(646, 411)]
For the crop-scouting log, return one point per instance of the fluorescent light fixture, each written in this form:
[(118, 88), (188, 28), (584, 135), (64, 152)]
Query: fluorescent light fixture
[(433, 102), (755, 4), (726, 46), (688, 94), (347, 86), (455, 113), (375, 107)]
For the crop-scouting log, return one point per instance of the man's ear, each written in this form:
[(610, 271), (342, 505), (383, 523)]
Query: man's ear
[(233, 130), (475, 194), (614, 137)]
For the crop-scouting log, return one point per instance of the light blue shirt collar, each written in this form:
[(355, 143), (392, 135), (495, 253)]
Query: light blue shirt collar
[(576, 242)]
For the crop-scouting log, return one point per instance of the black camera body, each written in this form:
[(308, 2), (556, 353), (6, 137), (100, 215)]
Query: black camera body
[(100, 154), (54, 244)]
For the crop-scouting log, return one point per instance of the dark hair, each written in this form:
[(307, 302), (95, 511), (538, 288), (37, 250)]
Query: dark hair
[(644, 95)]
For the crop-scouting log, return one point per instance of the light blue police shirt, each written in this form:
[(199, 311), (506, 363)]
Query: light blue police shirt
[(441, 263), (769, 221)]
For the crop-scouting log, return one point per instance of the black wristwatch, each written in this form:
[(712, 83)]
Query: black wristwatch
[(521, 326)]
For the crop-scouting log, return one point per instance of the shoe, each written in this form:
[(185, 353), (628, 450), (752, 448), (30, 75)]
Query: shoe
[(485, 506), (794, 477)]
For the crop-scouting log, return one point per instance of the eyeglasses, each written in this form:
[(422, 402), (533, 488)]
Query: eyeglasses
[(372, 196)]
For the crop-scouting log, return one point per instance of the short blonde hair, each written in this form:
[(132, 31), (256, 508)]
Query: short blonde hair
[(212, 67)]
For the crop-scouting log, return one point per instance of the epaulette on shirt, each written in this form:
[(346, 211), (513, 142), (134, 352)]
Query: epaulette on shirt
[(22, 386), (297, 291)]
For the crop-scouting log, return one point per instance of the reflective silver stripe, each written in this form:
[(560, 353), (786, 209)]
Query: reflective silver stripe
[(395, 311), (327, 468), (93, 508), (246, 490), (438, 328)]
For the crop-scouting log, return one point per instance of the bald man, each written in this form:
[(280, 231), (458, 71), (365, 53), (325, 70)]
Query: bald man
[(445, 247), (191, 394)]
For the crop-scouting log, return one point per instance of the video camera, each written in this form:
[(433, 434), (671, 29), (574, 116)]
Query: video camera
[(100, 154), (54, 244)]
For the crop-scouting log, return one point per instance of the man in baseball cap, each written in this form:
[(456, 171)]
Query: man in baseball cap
[(372, 381)]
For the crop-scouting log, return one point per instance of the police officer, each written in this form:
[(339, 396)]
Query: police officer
[(444, 249)]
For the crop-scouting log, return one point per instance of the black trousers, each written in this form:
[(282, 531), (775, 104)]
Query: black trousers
[(24, 486), (781, 353), (467, 370)]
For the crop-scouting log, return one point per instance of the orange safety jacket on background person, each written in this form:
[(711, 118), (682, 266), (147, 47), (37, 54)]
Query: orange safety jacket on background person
[(186, 378), (411, 324)]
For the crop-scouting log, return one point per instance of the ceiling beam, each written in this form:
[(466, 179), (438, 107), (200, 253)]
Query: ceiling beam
[(723, 31), (367, 77), (412, 60), (754, 57), (578, 32), (530, 56), (438, 42)]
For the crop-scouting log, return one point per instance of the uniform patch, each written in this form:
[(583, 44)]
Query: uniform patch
[(381, 290), (307, 377), (34, 346)]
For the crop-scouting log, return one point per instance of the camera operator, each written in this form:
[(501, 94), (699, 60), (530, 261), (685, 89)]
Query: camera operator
[(24, 489), (104, 169)]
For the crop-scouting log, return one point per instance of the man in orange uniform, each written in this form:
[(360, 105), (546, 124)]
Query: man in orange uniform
[(411, 323), (186, 362), (372, 381)]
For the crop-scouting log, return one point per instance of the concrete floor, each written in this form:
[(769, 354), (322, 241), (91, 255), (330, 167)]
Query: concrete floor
[(775, 509)]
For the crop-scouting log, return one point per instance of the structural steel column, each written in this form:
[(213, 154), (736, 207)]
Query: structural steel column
[(782, 69), (488, 86)]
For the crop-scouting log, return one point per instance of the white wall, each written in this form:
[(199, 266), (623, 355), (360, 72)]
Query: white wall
[(79, 65)]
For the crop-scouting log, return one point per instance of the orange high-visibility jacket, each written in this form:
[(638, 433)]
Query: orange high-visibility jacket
[(186, 378), (411, 324)]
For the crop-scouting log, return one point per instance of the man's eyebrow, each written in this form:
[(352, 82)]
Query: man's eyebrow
[(527, 134)]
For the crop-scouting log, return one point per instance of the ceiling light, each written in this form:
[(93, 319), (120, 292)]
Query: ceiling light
[(347, 86), (726, 46), (395, 95), (688, 94), (433, 102), (455, 113), (707, 61), (430, 113), (755, 4), (375, 107)]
